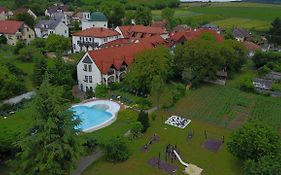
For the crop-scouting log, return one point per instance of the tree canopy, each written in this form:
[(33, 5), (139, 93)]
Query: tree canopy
[(50, 146), (10, 84), (146, 66), (274, 33), (143, 16), (116, 150), (57, 43), (199, 59), (253, 141)]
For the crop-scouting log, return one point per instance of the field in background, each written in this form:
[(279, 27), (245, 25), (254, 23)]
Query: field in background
[(228, 15)]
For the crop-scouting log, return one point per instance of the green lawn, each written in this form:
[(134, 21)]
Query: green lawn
[(192, 152)]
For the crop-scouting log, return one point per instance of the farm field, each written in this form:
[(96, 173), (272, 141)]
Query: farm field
[(230, 23), (228, 15)]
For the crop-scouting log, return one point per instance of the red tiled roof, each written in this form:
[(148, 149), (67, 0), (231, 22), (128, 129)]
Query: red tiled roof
[(117, 42), (3, 9), (140, 31), (147, 29), (10, 27), (194, 34), (20, 10), (251, 46), (125, 30), (116, 56), (162, 23), (97, 32), (151, 41)]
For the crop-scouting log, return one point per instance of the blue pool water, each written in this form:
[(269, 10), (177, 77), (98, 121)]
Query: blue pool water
[(91, 116)]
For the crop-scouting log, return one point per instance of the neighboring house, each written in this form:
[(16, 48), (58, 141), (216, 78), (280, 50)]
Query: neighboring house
[(56, 9), (107, 65), (92, 38), (95, 19), (241, 34), (212, 27), (3, 13), (152, 41), (251, 47), (140, 31), (183, 36), (16, 31), (55, 25), (180, 28), (163, 23), (25, 10), (274, 76), (262, 84)]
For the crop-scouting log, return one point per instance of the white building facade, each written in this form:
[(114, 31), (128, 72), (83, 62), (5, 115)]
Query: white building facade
[(95, 19), (92, 38), (57, 26)]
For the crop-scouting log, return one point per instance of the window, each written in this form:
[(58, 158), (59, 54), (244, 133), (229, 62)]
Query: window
[(90, 39), (85, 67), (29, 36), (65, 31), (80, 38), (51, 32), (105, 39), (90, 79), (27, 29), (90, 68), (86, 39), (86, 78), (74, 46)]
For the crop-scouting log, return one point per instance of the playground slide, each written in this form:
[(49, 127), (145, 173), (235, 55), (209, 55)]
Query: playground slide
[(182, 162)]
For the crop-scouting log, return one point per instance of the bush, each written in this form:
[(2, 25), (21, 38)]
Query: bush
[(143, 103), (3, 39), (116, 150), (136, 129), (101, 91), (264, 70), (153, 116), (143, 118), (247, 85), (114, 86)]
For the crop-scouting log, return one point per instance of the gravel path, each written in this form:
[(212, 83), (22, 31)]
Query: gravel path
[(86, 161)]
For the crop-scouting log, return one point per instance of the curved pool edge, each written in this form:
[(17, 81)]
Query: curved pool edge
[(114, 108)]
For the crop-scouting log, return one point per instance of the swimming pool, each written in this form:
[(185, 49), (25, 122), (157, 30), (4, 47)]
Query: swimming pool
[(95, 115)]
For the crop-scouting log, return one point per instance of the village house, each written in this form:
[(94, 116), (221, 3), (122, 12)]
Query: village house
[(16, 31), (4, 13), (95, 19), (110, 64), (25, 10), (140, 31), (92, 38), (55, 25), (187, 35), (212, 27), (241, 35), (56, 8), (262, 84), (251, 47)]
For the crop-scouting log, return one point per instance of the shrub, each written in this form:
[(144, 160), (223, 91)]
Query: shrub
[(143, 118), (116, 150), (247, 85), (101, 91), (136, 129), (143, 103), (153, 116)]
